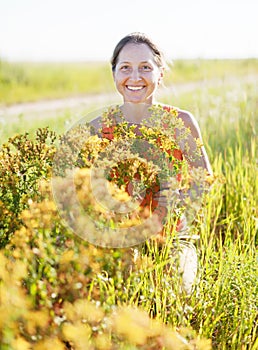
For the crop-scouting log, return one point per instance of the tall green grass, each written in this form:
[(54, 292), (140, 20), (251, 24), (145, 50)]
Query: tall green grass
[(224, 305)]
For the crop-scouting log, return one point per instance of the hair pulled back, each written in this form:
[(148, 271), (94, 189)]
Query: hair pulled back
[(138, 38)]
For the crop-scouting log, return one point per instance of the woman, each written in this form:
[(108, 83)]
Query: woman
[(138, 68)]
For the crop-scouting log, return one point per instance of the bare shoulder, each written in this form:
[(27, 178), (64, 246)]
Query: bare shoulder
[(189, 122), (96, 123), (187, 118)]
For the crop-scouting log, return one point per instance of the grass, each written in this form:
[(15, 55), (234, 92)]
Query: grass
[(228, 245), (194, 70), (223, 306), (22, 82)]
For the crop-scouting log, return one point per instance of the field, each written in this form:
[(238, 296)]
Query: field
[(58, 291), (22, 82)]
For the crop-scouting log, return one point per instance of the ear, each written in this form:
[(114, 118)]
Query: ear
[(161, 75), (161, 72)]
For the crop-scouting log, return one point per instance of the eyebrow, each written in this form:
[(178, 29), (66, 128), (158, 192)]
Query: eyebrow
[(123, 62)]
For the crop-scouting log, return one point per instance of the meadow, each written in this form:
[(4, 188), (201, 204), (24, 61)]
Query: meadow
[(57, 290), (25, 81)]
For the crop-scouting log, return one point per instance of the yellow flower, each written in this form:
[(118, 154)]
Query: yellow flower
[(83, 310), (77, 333), (21, 344), (50, 343)]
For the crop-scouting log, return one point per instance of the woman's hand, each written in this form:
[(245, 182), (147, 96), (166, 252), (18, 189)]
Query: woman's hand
[(167, 197)]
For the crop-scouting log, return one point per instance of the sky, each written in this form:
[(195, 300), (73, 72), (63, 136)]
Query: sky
[(81, 30)]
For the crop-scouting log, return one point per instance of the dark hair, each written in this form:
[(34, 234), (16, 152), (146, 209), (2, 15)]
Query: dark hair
[(138, 38)]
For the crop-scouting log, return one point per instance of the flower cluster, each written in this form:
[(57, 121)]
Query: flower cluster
[(59, 291), (118, 199), (22, 163)]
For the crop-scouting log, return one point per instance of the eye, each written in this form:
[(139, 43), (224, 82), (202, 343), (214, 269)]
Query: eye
[(146, 68), (125, 68)]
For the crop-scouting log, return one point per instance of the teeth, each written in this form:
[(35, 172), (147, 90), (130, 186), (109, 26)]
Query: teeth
[(135, 88)]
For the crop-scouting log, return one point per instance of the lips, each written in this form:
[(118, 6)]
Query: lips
[(134, 88)]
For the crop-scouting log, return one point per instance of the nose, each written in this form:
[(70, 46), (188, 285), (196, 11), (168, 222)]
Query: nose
[(135, 75)]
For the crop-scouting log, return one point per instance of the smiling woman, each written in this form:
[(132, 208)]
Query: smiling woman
[(138, 68), (136, 74)]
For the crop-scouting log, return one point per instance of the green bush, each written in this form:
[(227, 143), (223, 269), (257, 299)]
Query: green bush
[(23, 162)]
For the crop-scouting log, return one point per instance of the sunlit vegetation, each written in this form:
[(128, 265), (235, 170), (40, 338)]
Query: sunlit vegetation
[(59, 291)]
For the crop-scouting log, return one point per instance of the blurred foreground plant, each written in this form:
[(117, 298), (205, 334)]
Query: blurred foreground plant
[(49, 295), (23, 162)]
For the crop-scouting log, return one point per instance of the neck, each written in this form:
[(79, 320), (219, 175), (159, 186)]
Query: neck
[(135, 112)]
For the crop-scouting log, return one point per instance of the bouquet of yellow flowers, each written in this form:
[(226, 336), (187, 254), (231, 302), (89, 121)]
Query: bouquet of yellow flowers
[(108, 183)]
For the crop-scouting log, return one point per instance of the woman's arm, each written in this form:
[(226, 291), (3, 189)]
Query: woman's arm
[(195, 133), (189, 147)]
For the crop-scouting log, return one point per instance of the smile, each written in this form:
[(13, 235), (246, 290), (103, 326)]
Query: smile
[(135, 88)]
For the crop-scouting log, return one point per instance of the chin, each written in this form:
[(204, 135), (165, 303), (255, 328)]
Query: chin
[(137, 100)]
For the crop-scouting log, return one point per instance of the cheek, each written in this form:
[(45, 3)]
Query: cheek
[(157, 75), (154, 81), (154, 77), (118, 79)]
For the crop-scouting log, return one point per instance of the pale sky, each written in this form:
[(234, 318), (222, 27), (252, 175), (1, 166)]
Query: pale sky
[(72, 30)]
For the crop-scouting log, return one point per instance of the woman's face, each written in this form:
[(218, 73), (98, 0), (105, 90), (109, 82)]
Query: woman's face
[(136, 74)]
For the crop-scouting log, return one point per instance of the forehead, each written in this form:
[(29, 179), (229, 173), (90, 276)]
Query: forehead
[(136, 52)]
